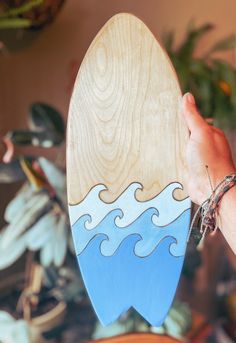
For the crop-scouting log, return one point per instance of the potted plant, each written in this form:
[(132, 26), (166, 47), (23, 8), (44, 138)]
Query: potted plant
[(34, 301), (210, 79)]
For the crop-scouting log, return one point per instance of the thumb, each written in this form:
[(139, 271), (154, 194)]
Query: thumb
[(191, 115)]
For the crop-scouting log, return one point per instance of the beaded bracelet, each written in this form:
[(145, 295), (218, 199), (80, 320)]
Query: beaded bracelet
[(209, 208)]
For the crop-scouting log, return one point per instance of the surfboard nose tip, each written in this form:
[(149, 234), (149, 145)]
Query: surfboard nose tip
[(123, 15)]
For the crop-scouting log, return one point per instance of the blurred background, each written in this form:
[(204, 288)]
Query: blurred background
[(42, 44)]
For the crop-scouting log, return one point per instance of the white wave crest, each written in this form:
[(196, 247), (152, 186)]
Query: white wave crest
[(168, 208)]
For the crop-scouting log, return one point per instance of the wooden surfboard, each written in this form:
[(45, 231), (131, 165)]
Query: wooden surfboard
[(128, 208)]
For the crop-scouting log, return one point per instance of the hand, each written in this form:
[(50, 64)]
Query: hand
[(207, 151)]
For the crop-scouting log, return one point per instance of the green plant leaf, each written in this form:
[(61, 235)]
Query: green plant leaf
[(21, 137), (44, 117), (224, 71), (11, 172), (186, 50), (168, 40), (15, 23), (45, 139), (213, 82), (224, 44), (15, 11)]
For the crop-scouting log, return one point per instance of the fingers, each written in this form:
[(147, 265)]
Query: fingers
[(194, 120)]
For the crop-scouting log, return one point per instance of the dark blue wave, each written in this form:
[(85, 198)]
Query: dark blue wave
[(116, 283)]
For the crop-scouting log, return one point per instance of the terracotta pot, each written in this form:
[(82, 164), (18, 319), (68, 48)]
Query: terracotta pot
[(138, 337)]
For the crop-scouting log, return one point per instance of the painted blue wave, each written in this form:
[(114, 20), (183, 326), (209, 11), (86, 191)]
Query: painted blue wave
[(168, 208), (149, 234), (123, 280)]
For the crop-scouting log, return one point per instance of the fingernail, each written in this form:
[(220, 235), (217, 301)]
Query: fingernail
[(190, 98)]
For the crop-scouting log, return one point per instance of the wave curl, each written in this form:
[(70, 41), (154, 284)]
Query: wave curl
[(167, 207), (149, 235)]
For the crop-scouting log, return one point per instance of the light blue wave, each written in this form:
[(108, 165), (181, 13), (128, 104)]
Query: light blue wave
[(150, 235)]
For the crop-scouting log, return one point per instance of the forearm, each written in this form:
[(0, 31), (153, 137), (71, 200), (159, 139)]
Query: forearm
[(227, 217), (208, 157)]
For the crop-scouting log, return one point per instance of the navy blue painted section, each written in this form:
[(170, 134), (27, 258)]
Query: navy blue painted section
[(115, 283)]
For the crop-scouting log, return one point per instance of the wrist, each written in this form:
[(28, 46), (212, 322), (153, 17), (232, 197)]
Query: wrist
[(221, 173), (226, 199), (212, 206)]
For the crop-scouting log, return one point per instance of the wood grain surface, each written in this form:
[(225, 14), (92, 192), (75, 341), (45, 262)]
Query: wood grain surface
[(124, 120)]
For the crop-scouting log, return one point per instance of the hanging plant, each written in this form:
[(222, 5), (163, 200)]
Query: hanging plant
[(24, 14), (21, 21)]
